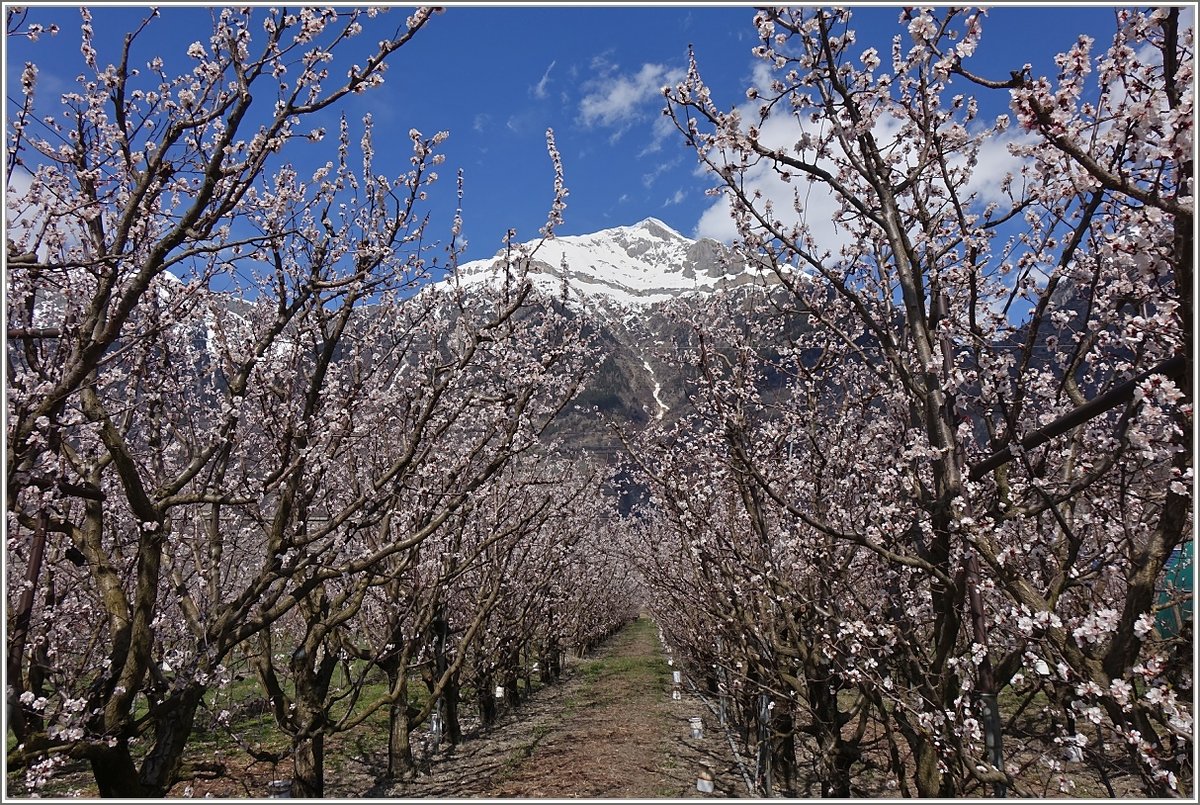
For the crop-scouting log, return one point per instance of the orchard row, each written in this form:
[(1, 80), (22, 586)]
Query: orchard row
[(257, 457), (927, 528)]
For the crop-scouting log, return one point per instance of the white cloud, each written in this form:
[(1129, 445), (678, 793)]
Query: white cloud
[(621, 99), (675, 199), (601, 64), (648, 179), (539, 89), (663, 130), (813, 203), (25, 225), (16, 187)]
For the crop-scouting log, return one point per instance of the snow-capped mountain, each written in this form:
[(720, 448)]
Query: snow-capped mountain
[(621, 282), (633, 266)]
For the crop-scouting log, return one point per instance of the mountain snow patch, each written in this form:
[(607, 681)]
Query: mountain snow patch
[(632, 266)]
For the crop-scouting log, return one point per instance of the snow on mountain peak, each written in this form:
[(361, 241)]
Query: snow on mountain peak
[(656, 228), (642, 264)]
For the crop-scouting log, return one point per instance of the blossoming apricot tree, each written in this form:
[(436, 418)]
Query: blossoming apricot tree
[(232, 415), (1016, 363)]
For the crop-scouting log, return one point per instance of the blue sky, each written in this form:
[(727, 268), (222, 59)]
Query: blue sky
[(496, 77)]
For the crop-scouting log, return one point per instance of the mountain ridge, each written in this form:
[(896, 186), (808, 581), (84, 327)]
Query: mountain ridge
[(636, 265)]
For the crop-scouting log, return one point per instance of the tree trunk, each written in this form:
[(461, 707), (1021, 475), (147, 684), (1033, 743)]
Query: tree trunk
[(451, 729), (22, 723), (525, 674), (549, 666), (116, 776), (173, 721), (308, 775), (401, 765), (512, 693), (512, 662), (783, 752), (487, 702), (312, 689), (929, 778), (836, 758)]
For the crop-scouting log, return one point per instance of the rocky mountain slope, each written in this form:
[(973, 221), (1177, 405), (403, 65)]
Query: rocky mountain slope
[(624, 280)]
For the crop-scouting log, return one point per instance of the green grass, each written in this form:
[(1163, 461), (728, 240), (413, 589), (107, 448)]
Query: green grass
[(256, 726), (648, 670)]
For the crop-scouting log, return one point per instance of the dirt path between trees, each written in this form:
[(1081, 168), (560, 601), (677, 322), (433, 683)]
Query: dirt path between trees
[(609, 728)]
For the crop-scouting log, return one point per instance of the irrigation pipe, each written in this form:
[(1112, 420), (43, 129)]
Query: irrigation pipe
[(728, 736)]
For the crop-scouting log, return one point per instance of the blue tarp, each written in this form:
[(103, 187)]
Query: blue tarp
[(1175, 592)]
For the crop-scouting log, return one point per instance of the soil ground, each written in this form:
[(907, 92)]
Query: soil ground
[(608, 728)]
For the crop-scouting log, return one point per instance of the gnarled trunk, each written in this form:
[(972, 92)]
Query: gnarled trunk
[(310, 720), (173, 721), (308, 774), (401, 765), (930, 780), (783, 751), (116, 776), (550, 662), (837, 757)]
